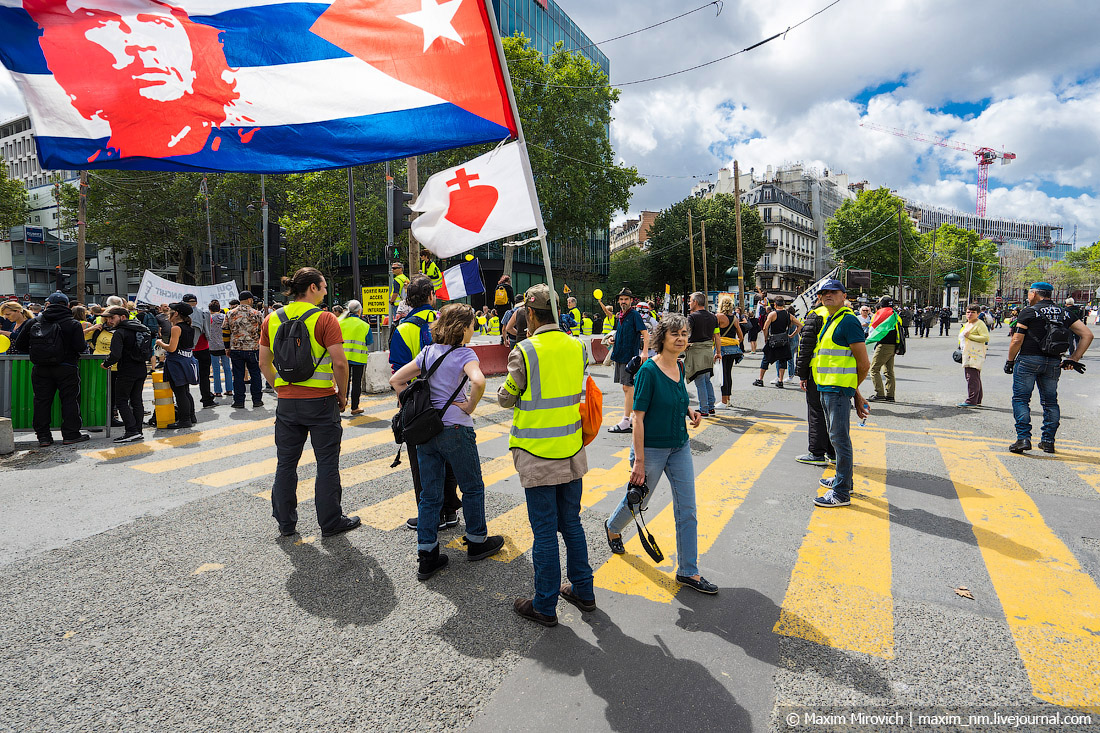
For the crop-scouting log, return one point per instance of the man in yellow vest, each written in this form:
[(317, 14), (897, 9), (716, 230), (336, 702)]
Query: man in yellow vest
[(576, 312), (821, 450), (430, 269), (494, 326), (357, 340), (545, 384), (840, 364), (400, 283), (586, 324), (308, 408)]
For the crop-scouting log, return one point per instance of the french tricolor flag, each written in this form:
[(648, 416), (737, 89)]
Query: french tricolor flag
[(261, 86), (461, 280)]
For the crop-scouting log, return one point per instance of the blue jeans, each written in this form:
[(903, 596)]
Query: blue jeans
[(455, 446), (1044, 371), (838, 412), (705, 390), (554, 509), (250, 360), (222, 363), (674, 463)]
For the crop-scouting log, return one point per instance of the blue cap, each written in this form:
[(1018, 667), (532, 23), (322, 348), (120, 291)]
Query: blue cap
[(833, 284), (58, 297), (1042, 286)]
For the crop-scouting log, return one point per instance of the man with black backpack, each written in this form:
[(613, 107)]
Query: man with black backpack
[(302, 354), (55, 342), (131, 349), (1043, 335)]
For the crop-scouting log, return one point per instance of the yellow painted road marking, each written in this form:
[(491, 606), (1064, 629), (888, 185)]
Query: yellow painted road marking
[(840, 589), (236, 449), (174, 441), (515, 525), (1051, 605), (379, 467), (719, 491)]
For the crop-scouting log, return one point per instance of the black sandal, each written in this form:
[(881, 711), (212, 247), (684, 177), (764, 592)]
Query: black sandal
[(619, 429), (616, 544)]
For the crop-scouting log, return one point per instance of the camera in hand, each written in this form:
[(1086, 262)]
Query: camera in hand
[(635, 494)]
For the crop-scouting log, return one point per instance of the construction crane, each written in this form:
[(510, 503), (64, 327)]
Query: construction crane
[(984, 156)]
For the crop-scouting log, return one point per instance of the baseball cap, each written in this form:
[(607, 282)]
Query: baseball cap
[(245, 295), (58, 297), (182, 308), (833, 284), (1042, 286), (190, 298), (885, 301), (537, 296)]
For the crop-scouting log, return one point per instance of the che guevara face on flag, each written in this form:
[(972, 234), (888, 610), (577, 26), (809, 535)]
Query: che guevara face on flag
[(160, 80), (253, 85)]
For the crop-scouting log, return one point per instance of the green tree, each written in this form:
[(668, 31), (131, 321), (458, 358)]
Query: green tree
[(952, 249), (13, 201), (864, 235), (628, 266), (668, 259), (1086, 259)]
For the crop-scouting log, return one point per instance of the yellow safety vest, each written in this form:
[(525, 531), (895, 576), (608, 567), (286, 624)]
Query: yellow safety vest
[(608, 324), (834, 365), (399, 283), (355, 331), (410, 332), (494, 326), (586, 327), (322, 376), (432, 271), (576, 313), (547, 418)]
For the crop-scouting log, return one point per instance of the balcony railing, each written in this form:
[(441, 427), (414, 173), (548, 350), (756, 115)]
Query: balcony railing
[(795, 225), (785, 270)]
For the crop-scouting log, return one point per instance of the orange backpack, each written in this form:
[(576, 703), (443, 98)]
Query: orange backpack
[(591, 411)]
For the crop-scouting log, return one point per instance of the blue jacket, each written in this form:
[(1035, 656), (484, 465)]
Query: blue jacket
[(413, 332)]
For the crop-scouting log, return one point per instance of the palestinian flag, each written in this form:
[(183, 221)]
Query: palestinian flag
[(885, 321)]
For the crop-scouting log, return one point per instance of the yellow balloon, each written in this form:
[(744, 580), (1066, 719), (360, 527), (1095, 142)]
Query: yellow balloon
[(469, 258), (481, 320), (597, 293), (5, 343)]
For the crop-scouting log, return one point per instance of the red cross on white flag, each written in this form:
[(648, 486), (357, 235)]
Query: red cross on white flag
[(480, 201)]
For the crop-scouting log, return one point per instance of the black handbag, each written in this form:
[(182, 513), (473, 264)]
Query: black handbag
[(417, 421)]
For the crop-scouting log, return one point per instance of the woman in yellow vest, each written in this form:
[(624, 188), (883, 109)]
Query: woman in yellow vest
[(494, 325), (431, 269), (840, 364), (586, 324), (357, 339)]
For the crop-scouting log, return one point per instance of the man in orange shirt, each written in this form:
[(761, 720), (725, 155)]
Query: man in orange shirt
[(310, 407)]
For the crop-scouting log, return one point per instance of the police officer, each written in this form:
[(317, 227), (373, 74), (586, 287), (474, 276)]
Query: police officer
[(1035, 360), (357, 340), (310, 408), (840, 364), (545, 384)]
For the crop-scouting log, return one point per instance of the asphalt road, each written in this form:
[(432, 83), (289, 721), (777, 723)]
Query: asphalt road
[(145, 588)]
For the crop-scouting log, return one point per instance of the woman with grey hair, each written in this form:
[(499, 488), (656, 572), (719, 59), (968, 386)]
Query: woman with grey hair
[(660, 446), (357, 340)]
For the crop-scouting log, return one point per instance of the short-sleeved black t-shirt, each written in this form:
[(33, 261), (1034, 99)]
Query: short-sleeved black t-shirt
[(1035, 319), (702, 325)]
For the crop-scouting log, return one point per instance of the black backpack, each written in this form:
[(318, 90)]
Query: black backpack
[(417, 421), (1057, 339), (142, 350), (292, 350), (46, 345)]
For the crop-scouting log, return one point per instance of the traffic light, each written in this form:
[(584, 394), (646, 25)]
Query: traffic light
[(61, 280), (400, 210), (221, 273), (276, 240)]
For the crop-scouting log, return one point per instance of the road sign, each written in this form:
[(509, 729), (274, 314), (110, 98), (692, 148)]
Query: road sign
[(33, 234), (565, 288), (374, 301), (999, 299), (859, 278)]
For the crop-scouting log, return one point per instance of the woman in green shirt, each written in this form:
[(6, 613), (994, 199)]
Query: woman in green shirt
[(661, 446)]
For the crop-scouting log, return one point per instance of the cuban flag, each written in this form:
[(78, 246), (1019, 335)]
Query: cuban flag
[(461, 280), (253, 86)]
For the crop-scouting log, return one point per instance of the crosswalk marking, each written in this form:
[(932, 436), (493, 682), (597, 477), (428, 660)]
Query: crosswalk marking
[(719, 491), (1051, 604), (840, 590), (176, 441)]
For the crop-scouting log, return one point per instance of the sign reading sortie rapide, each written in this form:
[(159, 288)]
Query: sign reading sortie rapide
[(156, 290)]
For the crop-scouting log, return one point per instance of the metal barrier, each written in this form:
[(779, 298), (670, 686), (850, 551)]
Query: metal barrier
[(17, 394)]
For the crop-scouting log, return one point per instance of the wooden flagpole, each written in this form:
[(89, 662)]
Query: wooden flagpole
[(524, 158)]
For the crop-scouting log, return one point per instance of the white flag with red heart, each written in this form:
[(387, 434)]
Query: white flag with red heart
[(478, 202)]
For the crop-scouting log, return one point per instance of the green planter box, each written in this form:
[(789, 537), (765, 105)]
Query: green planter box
[(17, 396)]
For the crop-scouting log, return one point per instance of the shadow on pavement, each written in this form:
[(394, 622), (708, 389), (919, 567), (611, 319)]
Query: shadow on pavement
[(340, 582), (644, 685)]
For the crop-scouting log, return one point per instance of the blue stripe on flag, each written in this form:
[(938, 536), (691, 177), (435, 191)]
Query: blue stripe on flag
[(294, 148), (471, 278), (264, 35), (268, 35)]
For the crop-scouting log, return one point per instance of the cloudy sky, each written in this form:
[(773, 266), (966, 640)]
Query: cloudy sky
[(1016, 75)]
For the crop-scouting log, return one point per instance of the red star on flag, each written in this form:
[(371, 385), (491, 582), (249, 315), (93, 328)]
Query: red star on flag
[(445, 48)]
